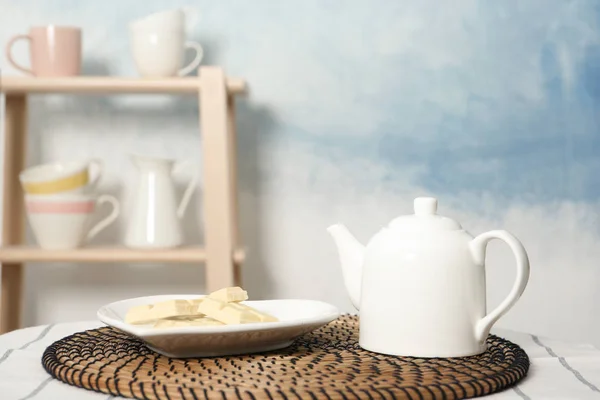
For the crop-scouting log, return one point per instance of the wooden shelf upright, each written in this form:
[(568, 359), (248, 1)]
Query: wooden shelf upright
[(221, 252)]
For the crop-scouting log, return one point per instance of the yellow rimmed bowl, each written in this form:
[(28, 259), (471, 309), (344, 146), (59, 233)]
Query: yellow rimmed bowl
[(61, 177)]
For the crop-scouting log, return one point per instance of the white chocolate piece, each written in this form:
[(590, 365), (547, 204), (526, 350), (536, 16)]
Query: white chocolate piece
[(174, 308), (210, 307), (230, 294), (149, 313), (263, 316), (139, 315), (226, 312), (218, 308), (176, 323), (196, 302), (233, 313)]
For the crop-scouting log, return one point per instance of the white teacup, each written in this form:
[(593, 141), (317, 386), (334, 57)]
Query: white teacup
[(63, 222), (158, 43), (160, 53), (61, 177)]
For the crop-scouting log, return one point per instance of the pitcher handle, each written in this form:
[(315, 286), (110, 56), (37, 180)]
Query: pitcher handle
[(478, 247), (189, 190), (109, 219)]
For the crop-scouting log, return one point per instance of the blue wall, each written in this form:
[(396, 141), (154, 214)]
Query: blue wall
[(355, 108)]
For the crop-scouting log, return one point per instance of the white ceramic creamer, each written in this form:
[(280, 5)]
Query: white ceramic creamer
[(155, 216), (420, 284)]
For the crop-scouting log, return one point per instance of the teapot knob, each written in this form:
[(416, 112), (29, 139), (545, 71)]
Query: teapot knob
[(425, 205)]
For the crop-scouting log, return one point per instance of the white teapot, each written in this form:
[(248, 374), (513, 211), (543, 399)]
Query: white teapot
[(420, 284)]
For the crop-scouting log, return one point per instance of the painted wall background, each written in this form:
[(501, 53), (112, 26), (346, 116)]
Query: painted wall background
[(355, 108)]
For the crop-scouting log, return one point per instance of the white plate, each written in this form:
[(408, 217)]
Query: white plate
[(296, 317)]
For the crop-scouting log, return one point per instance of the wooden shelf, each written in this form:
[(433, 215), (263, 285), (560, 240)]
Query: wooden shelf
[(108, 84), (221, 253), (18, 254)]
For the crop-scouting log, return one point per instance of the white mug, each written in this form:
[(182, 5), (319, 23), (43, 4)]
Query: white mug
[(158, 43), (63, 222)]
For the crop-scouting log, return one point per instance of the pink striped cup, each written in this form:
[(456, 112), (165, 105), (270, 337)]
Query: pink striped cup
[(64, 222)]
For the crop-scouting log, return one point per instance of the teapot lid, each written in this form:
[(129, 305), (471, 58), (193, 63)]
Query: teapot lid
[(424, 218)]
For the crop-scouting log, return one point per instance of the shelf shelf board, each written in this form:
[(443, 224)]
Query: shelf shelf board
[(17, 254), (109, 84)]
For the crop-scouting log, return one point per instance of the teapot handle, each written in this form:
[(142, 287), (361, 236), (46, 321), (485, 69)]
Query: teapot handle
[(478, 248)]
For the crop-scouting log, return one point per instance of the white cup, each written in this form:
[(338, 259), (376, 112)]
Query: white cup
[(158, 43), (63, 222)]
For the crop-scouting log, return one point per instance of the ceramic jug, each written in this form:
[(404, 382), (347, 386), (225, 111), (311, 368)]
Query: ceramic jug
[(420, 287), (155, 216)]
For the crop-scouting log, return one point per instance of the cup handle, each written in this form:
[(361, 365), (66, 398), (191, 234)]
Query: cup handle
[(9, 56), (95, 168), (189, 190), (109, 219), (194, 64), (478, 249)]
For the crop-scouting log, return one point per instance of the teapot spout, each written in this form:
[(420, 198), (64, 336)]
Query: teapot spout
[(351, 254)]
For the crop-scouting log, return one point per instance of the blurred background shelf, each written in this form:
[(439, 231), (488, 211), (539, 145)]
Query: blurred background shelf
[(108, 84), (196, 254), (217, 125)]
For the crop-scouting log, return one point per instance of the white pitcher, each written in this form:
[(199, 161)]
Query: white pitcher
[(155, 216)]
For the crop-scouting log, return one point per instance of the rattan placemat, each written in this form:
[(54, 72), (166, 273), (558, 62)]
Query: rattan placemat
[(327, 363)]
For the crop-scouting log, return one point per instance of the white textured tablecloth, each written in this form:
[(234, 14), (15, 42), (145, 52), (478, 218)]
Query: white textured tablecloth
[(558, 370)]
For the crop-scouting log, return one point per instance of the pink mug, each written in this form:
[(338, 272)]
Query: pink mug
[(54, 51)]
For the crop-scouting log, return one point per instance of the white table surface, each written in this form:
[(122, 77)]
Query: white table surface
[(559, 370)]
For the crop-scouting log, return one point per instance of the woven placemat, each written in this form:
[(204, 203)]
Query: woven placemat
[(327, 363)]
